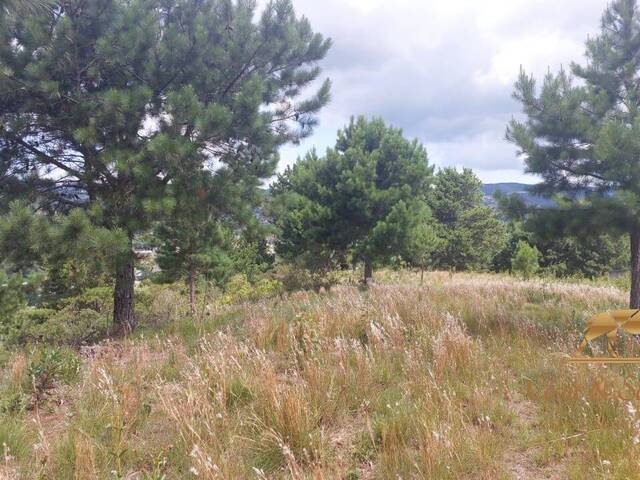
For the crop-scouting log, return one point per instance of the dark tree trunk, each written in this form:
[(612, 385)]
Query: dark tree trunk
[(191, 281), (421, 274), (634, 297), (124, 319), (368, 271)]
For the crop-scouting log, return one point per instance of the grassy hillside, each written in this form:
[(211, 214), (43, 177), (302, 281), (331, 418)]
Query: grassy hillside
[(460, 378)]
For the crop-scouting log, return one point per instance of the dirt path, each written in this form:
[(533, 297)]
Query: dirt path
[(519, 460)]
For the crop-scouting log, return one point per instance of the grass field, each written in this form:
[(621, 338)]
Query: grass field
[(461, 377)]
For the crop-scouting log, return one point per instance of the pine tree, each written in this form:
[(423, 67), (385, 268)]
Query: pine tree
[(194, 237), (104, 104), (422, 243), (360, 201), (525, 260), (471, 233), (582, 137)]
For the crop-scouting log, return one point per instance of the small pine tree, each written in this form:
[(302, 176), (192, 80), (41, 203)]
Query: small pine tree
[(471, 232), (422, 244), (361, 200), (525, 261)]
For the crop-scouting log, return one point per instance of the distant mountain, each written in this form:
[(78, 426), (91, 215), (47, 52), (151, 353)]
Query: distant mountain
[(521, 189)]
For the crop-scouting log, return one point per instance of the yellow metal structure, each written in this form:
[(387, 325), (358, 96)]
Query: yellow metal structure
[(609, 324)]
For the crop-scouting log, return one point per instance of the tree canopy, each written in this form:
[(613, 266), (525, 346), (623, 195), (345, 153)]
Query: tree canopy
[(359, 202), (471, 233), (104, 104)]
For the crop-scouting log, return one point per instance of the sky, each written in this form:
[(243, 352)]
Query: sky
[(443, 70)]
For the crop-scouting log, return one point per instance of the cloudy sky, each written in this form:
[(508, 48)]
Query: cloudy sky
[(443, 70)]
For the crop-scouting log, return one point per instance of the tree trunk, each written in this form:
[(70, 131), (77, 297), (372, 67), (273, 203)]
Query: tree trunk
[(368, 271), (421, 274), (124, 319), (634, 297), (191, 281)]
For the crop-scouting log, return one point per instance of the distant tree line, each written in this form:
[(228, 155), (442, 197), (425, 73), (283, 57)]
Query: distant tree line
[(374, 199)]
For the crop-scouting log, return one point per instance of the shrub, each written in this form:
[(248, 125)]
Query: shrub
[(240, 289), (51, 365), (268, 287), (79, 327), (293, 279), (12, 297), (237, 289), (525, 261), (99, 299), (157, 305), (19, 328), (64, 327)]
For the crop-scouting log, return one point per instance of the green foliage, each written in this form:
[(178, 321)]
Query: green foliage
[(237, 289), (62, 327), (357, 202), (293, 278), (526, 260), (562, 254), (581, 137), (51, 365), (99, 299), (422, 243), (240, 289), (16, 324), (471, 233), (23, 237), (12, 296), (268, 287), (194, 239), (157, 305), (62, 255), (83, 319), (251, 257), (155, 94), (590, 257)]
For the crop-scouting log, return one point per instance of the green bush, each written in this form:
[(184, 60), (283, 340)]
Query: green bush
[(87, 318), (14, 327), (80, 327), (64, 327), (12, 297), (98, 299), (158, 305), (526, 260), (240, 289), (268, 287), (237, 289), (49, 366), (292, 278)]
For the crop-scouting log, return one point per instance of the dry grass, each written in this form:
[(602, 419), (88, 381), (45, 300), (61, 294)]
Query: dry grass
[(458, 378)]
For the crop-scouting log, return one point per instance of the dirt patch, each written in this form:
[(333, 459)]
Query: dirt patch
[(519, 460)]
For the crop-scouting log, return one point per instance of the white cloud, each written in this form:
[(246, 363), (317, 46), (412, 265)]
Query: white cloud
[(443, 70)]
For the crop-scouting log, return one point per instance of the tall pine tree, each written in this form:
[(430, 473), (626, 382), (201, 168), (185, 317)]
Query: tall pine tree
[(582, 137), (104, 104)]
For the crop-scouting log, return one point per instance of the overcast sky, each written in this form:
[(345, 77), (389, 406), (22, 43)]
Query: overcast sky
[(443, 70)]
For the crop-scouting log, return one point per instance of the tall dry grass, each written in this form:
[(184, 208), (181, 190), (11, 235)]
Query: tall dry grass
[(401, 381)]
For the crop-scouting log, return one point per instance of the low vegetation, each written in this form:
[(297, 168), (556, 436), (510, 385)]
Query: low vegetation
[(461, 376)]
